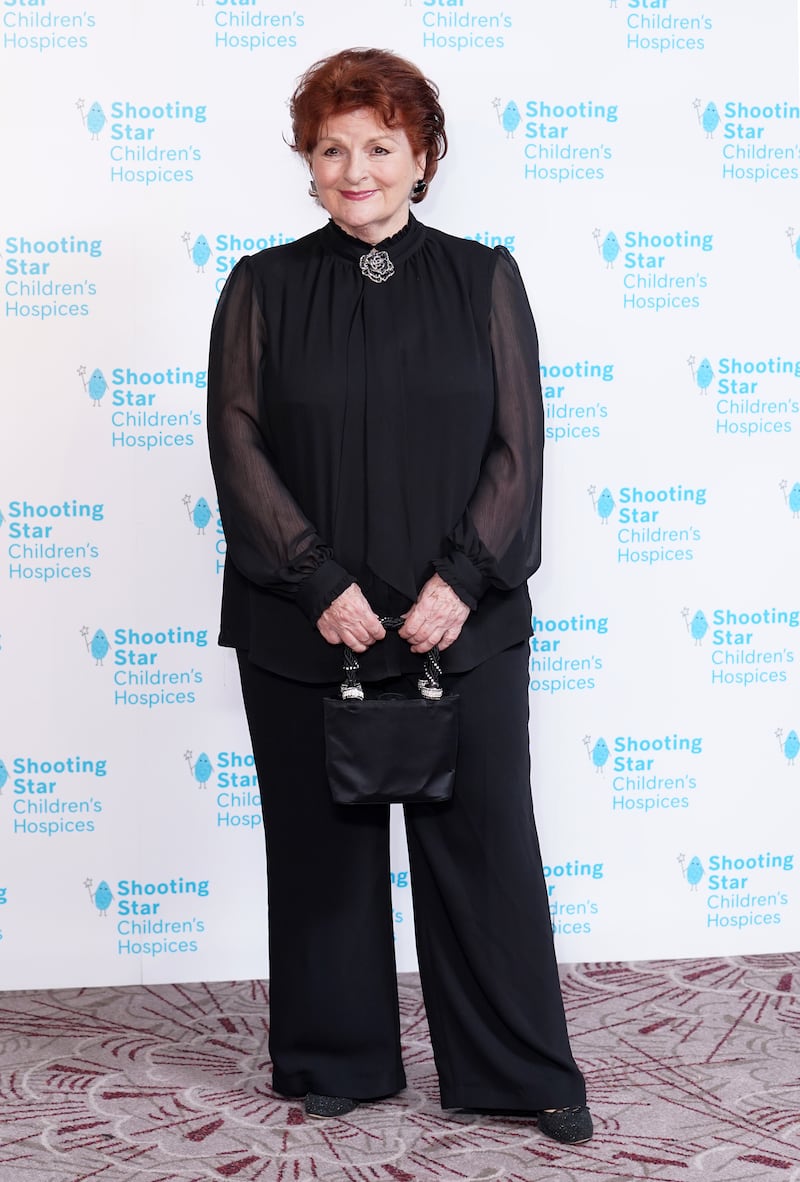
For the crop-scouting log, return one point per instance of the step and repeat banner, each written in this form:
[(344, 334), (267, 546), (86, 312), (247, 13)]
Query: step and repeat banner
[(641, 159)]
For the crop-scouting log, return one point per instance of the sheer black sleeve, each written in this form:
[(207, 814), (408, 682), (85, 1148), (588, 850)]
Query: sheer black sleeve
[(268, 537), (497, 542)]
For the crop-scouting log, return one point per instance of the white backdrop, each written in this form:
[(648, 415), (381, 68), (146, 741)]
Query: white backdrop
[(641, 159)]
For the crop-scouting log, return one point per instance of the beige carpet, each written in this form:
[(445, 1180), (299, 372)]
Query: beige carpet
[(693, 1070)]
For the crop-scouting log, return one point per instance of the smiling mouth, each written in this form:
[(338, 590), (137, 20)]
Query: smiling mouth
[(358, 194)]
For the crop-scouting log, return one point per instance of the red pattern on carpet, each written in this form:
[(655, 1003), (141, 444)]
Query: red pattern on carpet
[(692, 1070)]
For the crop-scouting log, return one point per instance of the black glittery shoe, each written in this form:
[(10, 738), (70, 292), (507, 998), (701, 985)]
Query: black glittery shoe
[(328, 1105), (572, 1126)]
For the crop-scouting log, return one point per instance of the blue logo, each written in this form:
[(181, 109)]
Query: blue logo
[(707, 117), (199, 253), (94, 120), (96, 386), (603, 505), (790, 746), (3, 776), (598, 752), (202, 770), (693, 872), (200, 515), (609, 248), (697, 626), (98, 646), (703, 376), (792, 499), (102, 898), (509, 117)]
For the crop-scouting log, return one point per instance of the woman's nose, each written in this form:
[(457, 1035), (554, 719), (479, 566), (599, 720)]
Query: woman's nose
[(356, 169)]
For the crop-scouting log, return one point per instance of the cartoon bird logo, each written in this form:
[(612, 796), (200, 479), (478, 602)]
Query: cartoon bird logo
[(102, 898), (98, 646), (693, 873), (790, 747), (709, 119), (609, 248), (509, 118), (604, 505), (3, 776), (202, 770), (697, 626), (792, 498), (94, 120), (200, 515), (200, 253), (598, 754), (96, 386), (703, 375)]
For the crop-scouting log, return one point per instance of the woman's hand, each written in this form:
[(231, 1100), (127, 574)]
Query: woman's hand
[(350, 620), (436, 618)]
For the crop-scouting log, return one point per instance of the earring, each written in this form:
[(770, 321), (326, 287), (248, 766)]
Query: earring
[(312, 188), (418, 188)]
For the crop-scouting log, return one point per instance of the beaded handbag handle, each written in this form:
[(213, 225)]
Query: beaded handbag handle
[(429, 685)]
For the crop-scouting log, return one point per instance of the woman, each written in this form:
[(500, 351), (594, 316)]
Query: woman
[(375, 426)]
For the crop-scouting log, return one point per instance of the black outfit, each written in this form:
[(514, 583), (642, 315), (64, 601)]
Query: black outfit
[(374, 432), (378, 433)]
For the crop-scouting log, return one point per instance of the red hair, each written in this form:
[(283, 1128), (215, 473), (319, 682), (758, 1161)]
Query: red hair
[(395, 89)]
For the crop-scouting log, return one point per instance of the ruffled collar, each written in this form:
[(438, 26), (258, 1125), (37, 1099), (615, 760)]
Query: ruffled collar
[(398, 246)]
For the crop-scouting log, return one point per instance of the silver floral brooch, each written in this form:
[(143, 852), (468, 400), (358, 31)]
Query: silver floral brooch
[(376, 265)]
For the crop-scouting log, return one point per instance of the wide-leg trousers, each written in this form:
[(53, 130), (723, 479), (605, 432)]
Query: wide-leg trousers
[(484, 937)]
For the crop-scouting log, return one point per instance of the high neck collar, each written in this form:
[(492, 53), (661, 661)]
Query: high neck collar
[(398, 245)]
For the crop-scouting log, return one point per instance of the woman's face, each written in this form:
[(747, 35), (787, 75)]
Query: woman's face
[(364, 172)]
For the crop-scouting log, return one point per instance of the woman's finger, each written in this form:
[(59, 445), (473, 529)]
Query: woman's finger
[(350, 620), (374, 627), (355, 644)]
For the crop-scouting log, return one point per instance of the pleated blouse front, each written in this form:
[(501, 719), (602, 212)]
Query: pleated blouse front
[(374, 432)]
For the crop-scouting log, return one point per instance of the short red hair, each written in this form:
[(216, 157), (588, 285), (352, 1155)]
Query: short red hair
[(395, 89)]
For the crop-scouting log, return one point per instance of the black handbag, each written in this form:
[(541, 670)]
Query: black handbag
[(384, 748)]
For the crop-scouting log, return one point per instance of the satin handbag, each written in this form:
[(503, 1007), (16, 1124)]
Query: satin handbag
[(384, 748)]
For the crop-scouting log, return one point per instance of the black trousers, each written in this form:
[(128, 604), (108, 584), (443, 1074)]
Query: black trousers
[(484, 939)]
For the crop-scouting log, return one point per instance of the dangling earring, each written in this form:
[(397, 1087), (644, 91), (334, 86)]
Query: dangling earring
[(418, 188), (312, 188)]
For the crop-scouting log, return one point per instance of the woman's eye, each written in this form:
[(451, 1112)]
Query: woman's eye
[(330, 152)]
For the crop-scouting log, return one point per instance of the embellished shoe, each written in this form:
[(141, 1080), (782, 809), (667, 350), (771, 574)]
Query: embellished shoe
[(571, 1126), (331, 1106)]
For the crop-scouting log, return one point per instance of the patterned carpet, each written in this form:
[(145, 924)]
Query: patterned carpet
[(692, 1067)]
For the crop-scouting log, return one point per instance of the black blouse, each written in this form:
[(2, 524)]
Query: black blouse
[(376, 433)]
